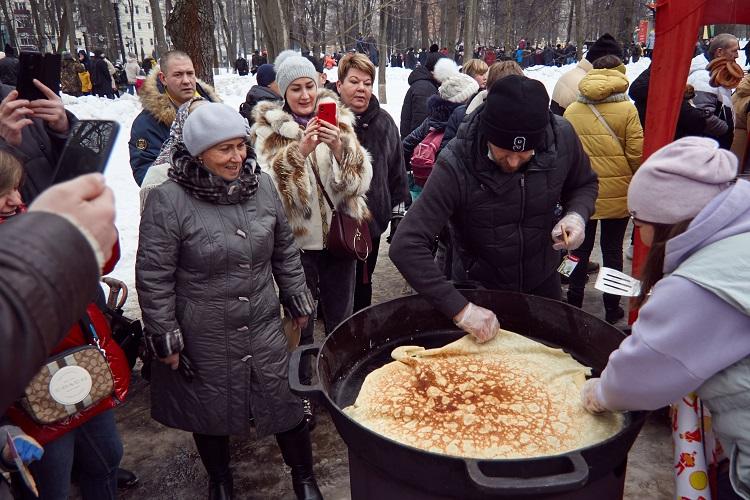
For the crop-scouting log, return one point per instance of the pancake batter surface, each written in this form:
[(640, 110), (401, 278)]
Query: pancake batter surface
[(511, 397)]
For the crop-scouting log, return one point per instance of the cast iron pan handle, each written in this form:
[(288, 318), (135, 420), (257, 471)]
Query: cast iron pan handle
[(295, 384), (510, 486)]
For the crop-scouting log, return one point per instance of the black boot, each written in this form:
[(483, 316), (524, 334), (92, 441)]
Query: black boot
[(296, 449), (214, 453), (126, 479)]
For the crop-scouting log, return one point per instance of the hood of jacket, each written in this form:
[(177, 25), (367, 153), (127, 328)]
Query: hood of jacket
[(261, 93), (155, 100), (421, 73), (728, 214), (599, 84), (698, 63), (440, 110)]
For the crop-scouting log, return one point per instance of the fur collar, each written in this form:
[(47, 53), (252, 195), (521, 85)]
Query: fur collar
[(270, 117), (154, 98), (612, 98)]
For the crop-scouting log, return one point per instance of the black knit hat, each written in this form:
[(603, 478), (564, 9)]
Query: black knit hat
[(605, 46), (516, 113)]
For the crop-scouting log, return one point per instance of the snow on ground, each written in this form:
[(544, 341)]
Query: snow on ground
[(232, 88)]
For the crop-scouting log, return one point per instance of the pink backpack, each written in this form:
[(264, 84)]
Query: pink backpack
[(425, 154)]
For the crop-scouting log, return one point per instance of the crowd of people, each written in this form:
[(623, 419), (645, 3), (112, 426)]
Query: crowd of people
[(487, 179)]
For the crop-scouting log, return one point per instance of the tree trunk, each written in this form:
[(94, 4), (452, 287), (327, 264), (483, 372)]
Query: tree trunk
[(191, 27), (9, 24), (471, 24), (580, 35), (38, 28), (241, 27), (451, 23), (158, 23), (229, 38), (383, 60), (275, 27), (70, 27), (424, 26), (251, 16)]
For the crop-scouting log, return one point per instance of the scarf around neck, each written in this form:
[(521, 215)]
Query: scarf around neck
[(199, 182)]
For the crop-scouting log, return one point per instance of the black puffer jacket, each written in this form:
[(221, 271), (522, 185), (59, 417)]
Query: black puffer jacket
[(255, 95), (378, 134), (501, 222), (421, 86), (38, 152)]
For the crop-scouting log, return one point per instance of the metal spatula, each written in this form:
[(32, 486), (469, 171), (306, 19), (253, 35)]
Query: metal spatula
[(617, 283)]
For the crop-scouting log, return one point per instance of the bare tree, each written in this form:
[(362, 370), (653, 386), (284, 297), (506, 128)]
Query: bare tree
[(274, 24), (158, 22)]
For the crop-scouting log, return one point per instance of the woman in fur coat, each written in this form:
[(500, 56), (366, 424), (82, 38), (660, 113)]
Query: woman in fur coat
[(290, 141)]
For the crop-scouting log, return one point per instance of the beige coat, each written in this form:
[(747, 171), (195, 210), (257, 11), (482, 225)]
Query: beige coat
[(741, 105), (566, 88)]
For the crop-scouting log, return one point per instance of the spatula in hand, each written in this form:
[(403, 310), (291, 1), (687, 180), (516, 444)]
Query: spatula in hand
[(617, 283)]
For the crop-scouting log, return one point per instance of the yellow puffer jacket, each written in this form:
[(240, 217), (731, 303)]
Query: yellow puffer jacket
[(615, 163)]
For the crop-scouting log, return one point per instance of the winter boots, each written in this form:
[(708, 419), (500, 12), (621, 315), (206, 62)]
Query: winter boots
[(296, 449)]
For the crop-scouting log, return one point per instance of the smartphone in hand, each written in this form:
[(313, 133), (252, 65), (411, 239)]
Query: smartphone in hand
[(43, 67), (327, 112), (87, 150)]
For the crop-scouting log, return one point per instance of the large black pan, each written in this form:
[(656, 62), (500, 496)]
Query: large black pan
[(364, 342)]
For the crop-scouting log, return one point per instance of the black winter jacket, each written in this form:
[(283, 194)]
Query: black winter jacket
[(378, 134), (501, 222), (101, 80), (38, 152), (9, 71), (451, 128), (255, 95), (440, 112), (414, 110), (691, 121)]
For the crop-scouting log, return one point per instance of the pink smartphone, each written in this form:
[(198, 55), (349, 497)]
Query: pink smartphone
[(327, 112)]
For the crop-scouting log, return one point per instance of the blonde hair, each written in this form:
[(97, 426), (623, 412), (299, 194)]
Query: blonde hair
[(355, 61), (474, 67), (11, 172), (501, 69)]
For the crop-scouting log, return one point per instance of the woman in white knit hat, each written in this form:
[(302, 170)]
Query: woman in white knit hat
[(292, 144), (213, 240)]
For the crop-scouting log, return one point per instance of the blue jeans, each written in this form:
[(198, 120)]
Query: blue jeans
[(96, 448)]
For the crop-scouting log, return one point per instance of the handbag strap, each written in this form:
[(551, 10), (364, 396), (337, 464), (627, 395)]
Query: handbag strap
[(89, 331), (314, 167), (606, 125)]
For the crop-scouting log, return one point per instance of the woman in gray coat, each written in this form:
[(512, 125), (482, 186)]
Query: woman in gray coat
[(213, 239)]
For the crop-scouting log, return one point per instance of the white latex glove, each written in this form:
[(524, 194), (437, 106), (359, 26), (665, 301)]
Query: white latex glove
[(589, 397), (480, 323), (575, 227)]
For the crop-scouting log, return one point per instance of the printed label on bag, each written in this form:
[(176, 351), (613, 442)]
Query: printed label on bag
[(567, 266), (70, 385)]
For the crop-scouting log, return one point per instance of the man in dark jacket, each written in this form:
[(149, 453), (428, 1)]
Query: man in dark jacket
[(241, 66), (422, 85), (377, 132), (266, 90), (255, 62), (164, 90), (101, 79), (35, 140), (498, 185), (9, 67)]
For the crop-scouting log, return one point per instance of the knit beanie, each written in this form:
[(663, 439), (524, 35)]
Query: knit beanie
[(605, 45), (211, 124), (458, 88), (289, 66), (678, 180), (516, 113), (265, 75)]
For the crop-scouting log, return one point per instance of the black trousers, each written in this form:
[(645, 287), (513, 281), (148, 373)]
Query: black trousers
[(362, 291), (611, 238)]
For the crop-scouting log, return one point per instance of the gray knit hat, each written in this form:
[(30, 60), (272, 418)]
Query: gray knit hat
[(211, 124), (458, 88), (290, 66)]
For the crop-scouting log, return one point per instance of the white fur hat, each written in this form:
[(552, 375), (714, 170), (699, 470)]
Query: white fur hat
[(458, 88), (444, 69)]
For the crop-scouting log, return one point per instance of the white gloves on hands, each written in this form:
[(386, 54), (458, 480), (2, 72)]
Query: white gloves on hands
[(575, 227), (479, 322), (589, 397)]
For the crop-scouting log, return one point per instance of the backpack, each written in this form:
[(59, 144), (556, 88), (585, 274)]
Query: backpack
[(423, 158)]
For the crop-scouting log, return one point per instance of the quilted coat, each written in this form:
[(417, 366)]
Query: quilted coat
[(614, 162), (207, 271)]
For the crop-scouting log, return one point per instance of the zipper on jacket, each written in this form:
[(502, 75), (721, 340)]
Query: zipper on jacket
[(520, 231)]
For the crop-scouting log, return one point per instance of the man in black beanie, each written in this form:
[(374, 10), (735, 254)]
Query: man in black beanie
[(566, 88), (497, 186)]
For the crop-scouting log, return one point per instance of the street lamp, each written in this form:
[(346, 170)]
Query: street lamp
[(115, 5)]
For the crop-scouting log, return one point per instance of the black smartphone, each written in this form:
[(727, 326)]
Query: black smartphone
[(87, 150), (43, 67)]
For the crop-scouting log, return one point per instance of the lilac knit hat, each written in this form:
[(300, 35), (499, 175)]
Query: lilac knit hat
[(678, 180)]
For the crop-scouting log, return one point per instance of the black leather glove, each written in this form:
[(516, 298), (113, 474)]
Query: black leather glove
[(394, 225)]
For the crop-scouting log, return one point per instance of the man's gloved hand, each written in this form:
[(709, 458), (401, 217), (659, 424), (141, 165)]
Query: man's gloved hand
[(589, 397), (395, 221), (575, 228), (480, 323)]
